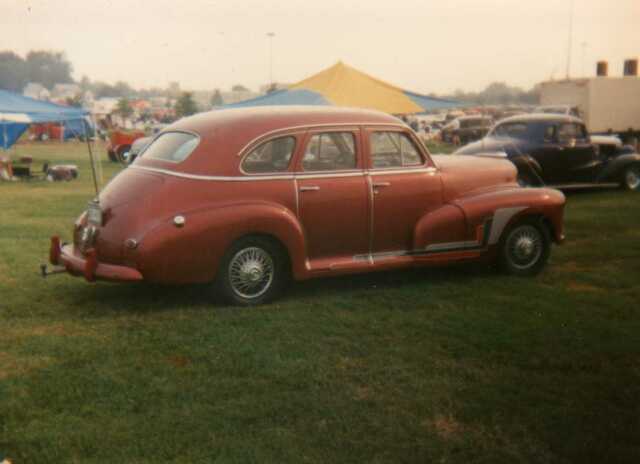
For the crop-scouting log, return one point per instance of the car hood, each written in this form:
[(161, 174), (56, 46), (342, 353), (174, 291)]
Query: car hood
[(606, 140), (464, 175)]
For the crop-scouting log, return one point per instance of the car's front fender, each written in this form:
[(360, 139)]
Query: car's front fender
[(615, 167)]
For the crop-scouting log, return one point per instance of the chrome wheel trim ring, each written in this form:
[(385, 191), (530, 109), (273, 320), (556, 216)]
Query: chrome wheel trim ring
[(632, 178), (251, 272), (524, 247)]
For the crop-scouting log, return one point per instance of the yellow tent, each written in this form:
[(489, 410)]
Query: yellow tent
[(342, 85)]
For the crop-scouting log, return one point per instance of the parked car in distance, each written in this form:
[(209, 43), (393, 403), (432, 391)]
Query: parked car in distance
[(466, 129), (556, 150), (120, 142), (247, 198), (136, 148), (568, 110)]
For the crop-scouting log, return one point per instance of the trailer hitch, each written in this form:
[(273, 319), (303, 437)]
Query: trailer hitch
[(45, 270)]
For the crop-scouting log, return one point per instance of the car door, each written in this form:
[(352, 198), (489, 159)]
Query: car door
[(332, 192), (404, 185), (548, 152), (578, 154)]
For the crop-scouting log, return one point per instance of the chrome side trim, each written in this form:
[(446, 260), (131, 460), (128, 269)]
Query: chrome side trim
[(218, 178), (500, 219), (453, 246), (288, 176), (330, 174), (375, 172)]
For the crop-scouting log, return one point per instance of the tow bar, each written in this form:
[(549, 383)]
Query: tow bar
[(45, 270)]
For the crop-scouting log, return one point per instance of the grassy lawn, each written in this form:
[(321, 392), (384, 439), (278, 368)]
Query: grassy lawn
[(455, 365)]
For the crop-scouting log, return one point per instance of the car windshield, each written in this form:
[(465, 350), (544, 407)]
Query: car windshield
[(174, 147), (516, 130)]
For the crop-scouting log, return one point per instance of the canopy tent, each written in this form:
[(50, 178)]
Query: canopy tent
[(18, 111), (342, 85)]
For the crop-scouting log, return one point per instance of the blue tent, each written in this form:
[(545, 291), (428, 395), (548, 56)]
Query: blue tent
[(18, 111)]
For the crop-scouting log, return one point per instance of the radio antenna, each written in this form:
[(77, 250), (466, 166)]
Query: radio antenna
[(570, 44)]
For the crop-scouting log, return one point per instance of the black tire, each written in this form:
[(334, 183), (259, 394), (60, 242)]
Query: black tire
[(122, 153), (258, 262), (525, 248), (631, 178), (523, 181), (112, 156)]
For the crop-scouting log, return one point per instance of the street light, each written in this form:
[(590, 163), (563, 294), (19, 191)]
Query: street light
[(271, 35)]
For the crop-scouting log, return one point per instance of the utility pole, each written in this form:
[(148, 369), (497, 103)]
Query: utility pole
[(569, 46), (271, 35)]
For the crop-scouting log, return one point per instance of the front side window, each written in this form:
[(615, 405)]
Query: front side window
[(330, 151), (271, 156), (174, 147), (393, 150), (570, 132)]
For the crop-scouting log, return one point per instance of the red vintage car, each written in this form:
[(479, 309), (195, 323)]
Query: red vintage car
[(120, 142), (247, 198)]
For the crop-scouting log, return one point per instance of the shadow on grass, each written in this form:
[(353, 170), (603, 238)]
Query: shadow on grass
[(145, 298)]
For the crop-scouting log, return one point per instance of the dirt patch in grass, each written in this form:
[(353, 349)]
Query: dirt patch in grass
[(583, 288), (446, 427), (15, 334), (14, 366), (570, 266)]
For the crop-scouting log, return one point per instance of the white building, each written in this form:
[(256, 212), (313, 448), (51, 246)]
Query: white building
[(37, 91)]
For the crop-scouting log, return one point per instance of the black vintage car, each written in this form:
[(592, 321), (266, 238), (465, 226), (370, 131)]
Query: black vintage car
[(556, 150)]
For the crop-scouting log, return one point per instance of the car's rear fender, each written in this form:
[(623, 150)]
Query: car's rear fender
[(192, 252)]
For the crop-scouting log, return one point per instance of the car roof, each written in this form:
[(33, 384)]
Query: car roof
[(271, 118), (541, 117), (226, 133)]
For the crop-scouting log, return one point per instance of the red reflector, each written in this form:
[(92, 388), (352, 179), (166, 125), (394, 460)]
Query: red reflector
[(54, 250)]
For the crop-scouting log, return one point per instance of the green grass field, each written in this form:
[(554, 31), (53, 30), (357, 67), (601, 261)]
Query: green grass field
[(455, 365)]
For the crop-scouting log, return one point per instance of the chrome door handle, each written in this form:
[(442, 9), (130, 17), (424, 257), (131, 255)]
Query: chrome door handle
[(309, 188), (381, 184)]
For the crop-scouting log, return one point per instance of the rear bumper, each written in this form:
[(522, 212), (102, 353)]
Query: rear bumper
[(87, 265)]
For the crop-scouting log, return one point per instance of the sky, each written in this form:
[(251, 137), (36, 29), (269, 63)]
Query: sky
[(421, 45)]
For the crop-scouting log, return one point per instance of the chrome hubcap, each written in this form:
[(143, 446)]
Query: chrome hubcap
[(524, 246), (251, 272), (633, 179)]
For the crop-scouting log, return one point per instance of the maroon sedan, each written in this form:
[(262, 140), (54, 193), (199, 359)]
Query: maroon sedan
[(248, 198)]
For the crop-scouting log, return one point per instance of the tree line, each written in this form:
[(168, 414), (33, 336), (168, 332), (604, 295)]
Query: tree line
[(52, 67)]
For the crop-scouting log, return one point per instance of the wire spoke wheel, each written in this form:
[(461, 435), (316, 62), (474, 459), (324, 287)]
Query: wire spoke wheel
[(524, 247), (251, 272)]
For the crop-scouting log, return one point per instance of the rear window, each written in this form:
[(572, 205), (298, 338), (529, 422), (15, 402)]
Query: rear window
[(516, 130), (174, 147)]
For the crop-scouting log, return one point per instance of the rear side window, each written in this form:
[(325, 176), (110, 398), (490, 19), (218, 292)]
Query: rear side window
[(330, 151), (174, 147), (393, 150), (271, 156)]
